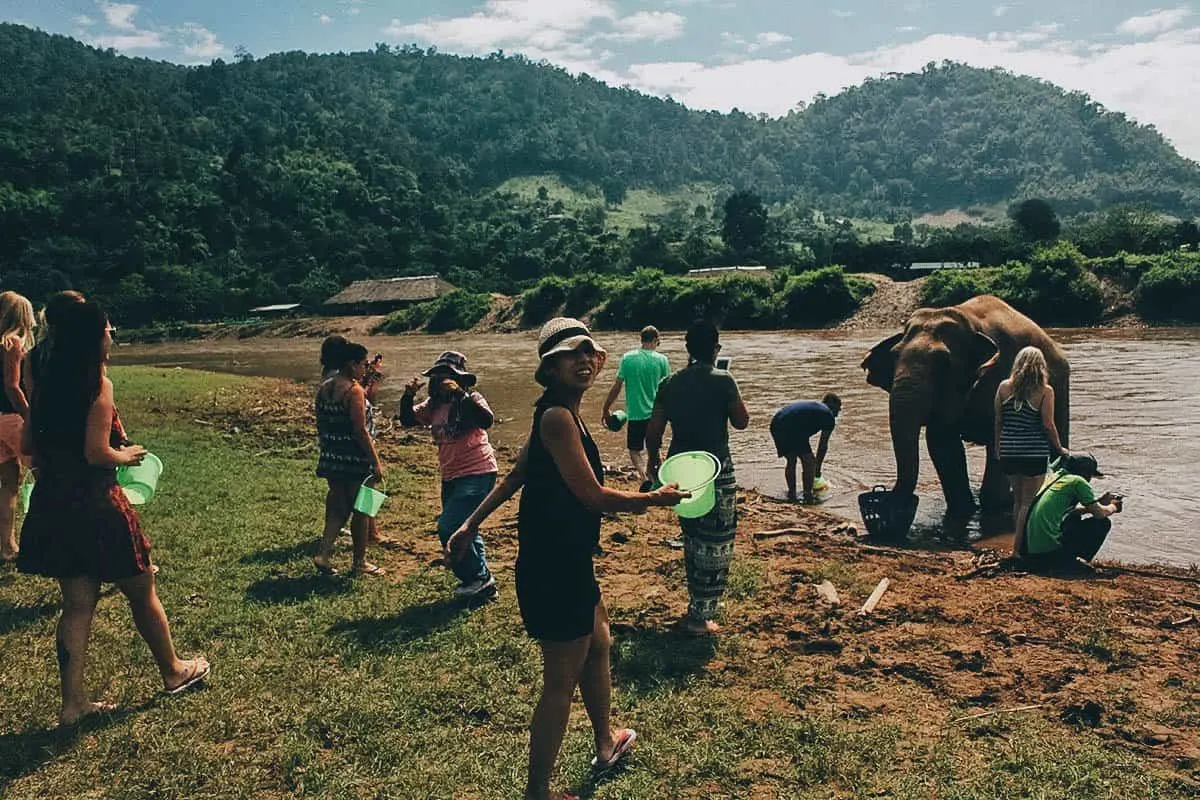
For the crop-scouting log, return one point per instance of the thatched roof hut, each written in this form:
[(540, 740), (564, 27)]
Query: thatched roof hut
[(387, 294)]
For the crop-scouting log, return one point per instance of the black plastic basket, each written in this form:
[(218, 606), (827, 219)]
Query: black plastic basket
[(886, 514)]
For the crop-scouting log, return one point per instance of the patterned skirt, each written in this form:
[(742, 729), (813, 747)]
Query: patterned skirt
[(708, 548), (82, 526)]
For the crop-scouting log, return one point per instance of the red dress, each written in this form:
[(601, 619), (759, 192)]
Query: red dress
[(80, 524)]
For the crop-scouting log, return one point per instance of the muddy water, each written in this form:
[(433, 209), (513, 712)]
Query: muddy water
[(1135, 405)]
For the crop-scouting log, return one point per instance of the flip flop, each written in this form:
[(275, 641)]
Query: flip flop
[(625, 742), (324, 569), (198, 675), (373, 569)]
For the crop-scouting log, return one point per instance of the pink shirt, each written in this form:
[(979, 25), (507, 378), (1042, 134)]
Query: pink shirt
[(468, 453)]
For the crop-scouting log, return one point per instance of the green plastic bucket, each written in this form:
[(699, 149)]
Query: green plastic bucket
[(820, 485), (26, 492), (140, 481), (369, 500), (695, 472), (616, 420)]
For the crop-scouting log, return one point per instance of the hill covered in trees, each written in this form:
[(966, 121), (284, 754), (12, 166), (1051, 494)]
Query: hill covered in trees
[(177, 192)]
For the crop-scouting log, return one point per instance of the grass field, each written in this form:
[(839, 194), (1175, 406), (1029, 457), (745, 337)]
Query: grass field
[(384, 688), (638, 208)]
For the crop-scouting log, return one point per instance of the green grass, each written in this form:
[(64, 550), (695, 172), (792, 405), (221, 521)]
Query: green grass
[(638, 208), (328, 687)]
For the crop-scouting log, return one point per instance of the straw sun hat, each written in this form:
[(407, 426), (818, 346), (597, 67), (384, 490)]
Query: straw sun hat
[(562, 335)]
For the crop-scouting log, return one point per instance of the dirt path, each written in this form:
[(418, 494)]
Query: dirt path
[(889, 306)]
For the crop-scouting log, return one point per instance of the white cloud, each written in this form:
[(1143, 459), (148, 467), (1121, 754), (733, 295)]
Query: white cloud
[(1156, 22), (352, 7), (545, 24), (907, 29), (200, 43), (84, 20), (763, 41), (325, 19), (773, 38), (1000, 11), (842, 13), (137, 40), (119, 15), (655, 26)]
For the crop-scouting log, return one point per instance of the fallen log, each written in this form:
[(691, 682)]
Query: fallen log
[(779, 532)]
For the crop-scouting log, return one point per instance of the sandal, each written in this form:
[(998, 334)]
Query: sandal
[(199, 671), (324, 569), (625, 740), (370, 569)]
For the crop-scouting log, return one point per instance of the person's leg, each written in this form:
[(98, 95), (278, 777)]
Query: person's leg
[(151, 622), (789, 475), (460, 497), (595, 684), (562, 663), (635, 440), (708, 554), (338, 505), (1083, 538), (1025, 488), (360, 529), (10, 481), (79, 596), (808, 468)]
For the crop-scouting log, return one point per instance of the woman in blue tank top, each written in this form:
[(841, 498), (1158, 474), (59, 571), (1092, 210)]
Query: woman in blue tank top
[(558, 528)]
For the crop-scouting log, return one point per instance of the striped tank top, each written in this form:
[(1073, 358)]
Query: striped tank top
[(341, 457), (1021, 431)]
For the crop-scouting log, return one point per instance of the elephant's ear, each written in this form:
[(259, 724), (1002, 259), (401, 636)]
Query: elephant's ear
[(984, 354), (880, 362)]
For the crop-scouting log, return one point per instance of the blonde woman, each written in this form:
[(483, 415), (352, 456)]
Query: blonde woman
[(1025, 434), (16, 339)]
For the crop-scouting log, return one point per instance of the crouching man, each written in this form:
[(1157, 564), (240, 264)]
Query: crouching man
[(1067, 521)]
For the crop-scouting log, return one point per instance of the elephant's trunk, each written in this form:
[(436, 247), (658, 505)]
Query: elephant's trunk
[(908, 411)]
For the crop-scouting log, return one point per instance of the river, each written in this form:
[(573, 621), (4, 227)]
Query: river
[(1135, 405)]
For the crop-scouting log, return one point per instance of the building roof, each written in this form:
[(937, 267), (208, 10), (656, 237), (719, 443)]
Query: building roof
[(392, 290), (931, 265), (716, 272), (277, 307)]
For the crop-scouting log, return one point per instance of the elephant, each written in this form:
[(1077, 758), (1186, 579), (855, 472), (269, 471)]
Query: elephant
[(942, 372)]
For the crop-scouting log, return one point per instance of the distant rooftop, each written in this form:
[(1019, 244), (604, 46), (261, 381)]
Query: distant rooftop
[(275, 308), (406, 289), (715, 271)]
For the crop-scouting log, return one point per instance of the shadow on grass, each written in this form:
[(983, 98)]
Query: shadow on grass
[(24, 752), (14, 618), (281, 555), (648, 660), (288, 589), (410, 625)]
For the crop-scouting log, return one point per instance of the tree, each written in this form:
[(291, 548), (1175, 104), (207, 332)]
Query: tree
[(1035, 220), (745, 225)]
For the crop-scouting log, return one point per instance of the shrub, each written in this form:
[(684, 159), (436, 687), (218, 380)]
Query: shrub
[(456, 311), (822, 296), (585, 293), (1171, 289), (949, 287), (1055, 288), (543, 300)]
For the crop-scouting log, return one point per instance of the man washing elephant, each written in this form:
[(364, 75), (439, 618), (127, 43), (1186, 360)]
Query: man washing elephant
[(942, 372)]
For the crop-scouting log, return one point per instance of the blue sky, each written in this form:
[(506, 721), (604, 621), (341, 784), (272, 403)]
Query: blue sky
[(757, 55)]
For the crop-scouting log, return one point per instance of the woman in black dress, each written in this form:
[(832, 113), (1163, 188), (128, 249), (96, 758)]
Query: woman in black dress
[(80, 528), (558, 530)]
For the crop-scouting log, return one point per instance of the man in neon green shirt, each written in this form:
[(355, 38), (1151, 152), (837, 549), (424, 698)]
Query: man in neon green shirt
[(640, 373), (1056, 529)]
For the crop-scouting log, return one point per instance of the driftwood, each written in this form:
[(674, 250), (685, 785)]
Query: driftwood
[(779, 532), (983, 714), (875, 597)]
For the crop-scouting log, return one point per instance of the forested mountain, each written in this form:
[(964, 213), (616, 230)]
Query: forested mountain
[(179, 192)]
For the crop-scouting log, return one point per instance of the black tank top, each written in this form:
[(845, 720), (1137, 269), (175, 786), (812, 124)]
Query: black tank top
[(553, 525)]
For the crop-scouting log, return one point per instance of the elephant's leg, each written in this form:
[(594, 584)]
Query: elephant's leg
[(950, 460), (995, 495)]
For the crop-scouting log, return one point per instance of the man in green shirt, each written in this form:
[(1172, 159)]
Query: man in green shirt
[(640, 373), (1056, 530)]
